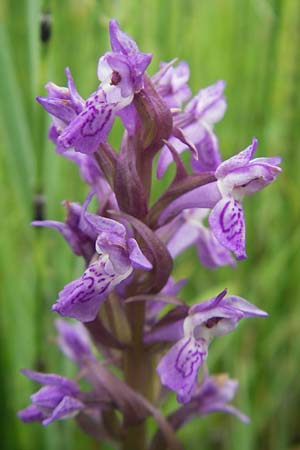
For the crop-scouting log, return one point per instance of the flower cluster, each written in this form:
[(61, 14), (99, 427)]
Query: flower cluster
[(128, 245)]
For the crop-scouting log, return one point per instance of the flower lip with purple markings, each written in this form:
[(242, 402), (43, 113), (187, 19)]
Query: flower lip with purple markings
[(178, 369)]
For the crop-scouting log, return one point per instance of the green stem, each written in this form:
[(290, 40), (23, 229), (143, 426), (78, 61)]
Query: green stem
[(138, 373)]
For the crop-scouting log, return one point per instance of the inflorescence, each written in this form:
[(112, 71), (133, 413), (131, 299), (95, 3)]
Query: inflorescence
[(129, 244)]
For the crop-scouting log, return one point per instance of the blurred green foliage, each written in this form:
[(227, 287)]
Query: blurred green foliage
[(254, 46)]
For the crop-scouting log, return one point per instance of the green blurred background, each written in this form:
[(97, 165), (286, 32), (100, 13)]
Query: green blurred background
[(255, 46)]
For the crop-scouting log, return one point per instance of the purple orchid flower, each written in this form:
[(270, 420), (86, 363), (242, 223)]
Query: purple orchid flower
[(117, 256), (236, 177), (178, 369), (57, 399), (213, 395), (63, 104), (171, 83), (196, 125), (121, 74), (239, 176)]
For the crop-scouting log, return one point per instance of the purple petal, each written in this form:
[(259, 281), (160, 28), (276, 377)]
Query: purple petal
[(186, 236), (247, 308), (48, 397), (51, 379), (55, 91), (67, 408), (172, 84), (227, 223), (121, 42), (77, 100), (53, 135), (272, 161), (31, 414), (209, 156), (115, 247), (220, 314), (60, 108), (214, 394), (250, 179), (208, 304), (98, 224), (137, 258), (237, 161), (178, 369), (140, 62), (219, 388), (209, 104)]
